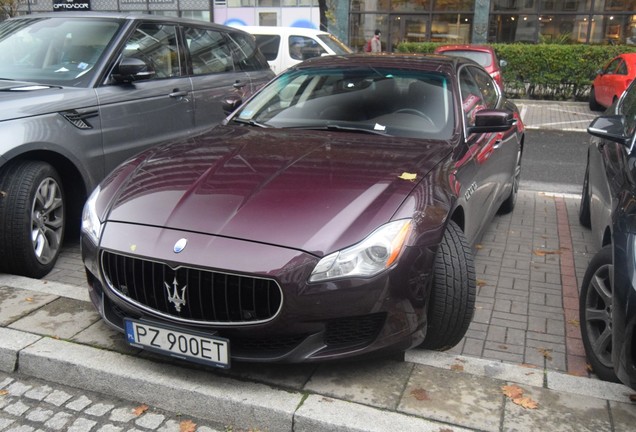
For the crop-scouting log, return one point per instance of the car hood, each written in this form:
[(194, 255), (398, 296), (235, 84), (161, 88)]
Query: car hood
[(315, 191), (24, 99)]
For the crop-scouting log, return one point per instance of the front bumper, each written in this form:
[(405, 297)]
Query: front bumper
[(315, 322)]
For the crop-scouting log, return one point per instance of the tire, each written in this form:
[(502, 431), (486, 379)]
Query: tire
[(594, 105), (509, 204), (452, 300), (595, 311), (585, 218), (32, 206)]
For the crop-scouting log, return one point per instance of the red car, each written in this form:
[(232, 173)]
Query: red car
[(612, 80), (482, 54)]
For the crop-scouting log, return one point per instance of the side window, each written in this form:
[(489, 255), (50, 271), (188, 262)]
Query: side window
[(268, 45), (209, 51), (302, 48), (245, 54), (472, 99), (622, 68), (611, 67), (487, 87), (155, 44)]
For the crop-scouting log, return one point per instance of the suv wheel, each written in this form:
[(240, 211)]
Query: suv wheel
[(452, 300), (596, 314), (594, 105), (32, 204)]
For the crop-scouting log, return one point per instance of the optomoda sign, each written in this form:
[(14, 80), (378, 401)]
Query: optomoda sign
[(71, 5)]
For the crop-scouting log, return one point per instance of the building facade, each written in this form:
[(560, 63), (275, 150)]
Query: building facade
[(448, 21)]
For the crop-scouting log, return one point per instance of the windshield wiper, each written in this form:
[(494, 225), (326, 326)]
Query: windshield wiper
[(334, 127), (250, 122)]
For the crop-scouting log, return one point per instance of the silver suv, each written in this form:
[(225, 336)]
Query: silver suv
[(80, 93)]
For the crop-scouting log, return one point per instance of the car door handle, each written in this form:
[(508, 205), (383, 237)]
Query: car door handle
[(178, 94)]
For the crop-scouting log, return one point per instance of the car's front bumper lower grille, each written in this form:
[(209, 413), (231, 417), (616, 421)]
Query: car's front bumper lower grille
[(190, 294)]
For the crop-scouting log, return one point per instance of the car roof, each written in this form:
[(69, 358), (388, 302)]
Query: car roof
[(425, 62), (275, 30), (465, 47), (130, 16)]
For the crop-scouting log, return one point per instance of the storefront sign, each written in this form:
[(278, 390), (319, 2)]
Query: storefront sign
[(71, 5)]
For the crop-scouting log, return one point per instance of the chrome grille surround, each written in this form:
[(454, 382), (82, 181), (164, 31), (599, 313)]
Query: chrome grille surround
[(210, 297)]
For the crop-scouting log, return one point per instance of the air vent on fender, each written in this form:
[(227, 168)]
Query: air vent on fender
[(78, 117)]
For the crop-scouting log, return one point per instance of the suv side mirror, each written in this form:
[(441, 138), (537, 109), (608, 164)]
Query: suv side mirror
[(611, 127), (492, 120), (132, 69)]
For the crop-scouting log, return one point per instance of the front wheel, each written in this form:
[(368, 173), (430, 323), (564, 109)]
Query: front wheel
[(594, 105), (452, 300), (595, 311), (32, 206)]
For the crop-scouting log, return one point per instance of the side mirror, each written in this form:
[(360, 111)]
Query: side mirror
[(132, 69), (491, 120), (231, 103), (611, 127)]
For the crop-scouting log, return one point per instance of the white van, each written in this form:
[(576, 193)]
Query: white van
[(286, 46)]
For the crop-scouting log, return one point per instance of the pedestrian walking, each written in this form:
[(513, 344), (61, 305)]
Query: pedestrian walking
[(374, 44)]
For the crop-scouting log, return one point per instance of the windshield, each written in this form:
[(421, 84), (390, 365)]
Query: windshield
[(337, 46), (391, 102), (55, 51)]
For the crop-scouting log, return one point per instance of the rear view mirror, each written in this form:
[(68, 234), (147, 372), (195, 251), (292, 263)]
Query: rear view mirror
[(132, 69), (611, 127), (491, 120)]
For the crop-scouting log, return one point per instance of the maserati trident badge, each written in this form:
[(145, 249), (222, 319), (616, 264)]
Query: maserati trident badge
[(180, 245), (173, 297)]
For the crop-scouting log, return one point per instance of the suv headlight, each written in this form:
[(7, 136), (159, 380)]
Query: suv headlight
[(369, 257), (91, 225)]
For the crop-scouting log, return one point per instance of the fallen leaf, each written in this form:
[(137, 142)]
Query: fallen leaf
[(407, 176), (525, 402), (544, 252), (527, 365), (589, 367), (574, 322), (4, 392), (457, 368), (503, 347), (140, 409), (29, 299), (481, 283), (324, 399), (545, 352), (187, 426), (478, 247), (420, 394), (512, 391)]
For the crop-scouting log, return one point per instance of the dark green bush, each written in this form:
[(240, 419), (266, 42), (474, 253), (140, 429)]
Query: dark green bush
[(545, 71)]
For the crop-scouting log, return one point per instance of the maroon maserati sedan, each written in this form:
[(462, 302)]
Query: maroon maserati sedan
[(331, 215)]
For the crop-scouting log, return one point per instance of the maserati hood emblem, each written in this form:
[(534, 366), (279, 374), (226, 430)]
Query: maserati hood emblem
[(174, 297), (180, 245)]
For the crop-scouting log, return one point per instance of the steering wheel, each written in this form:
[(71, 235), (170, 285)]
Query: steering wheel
[(415, 112)]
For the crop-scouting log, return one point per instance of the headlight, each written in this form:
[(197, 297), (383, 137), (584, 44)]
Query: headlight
[(371, 256), (91, 225)]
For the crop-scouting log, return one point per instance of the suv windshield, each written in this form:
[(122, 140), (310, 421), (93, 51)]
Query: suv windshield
[(374, 100), (55, 51)]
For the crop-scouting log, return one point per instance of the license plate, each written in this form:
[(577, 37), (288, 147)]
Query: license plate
[(194, 347)]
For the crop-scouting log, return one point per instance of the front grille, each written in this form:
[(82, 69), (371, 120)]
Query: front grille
[(192, 294), (353, 331)]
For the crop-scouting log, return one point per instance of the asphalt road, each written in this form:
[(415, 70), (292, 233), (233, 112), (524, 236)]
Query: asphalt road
[(554, 161)]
